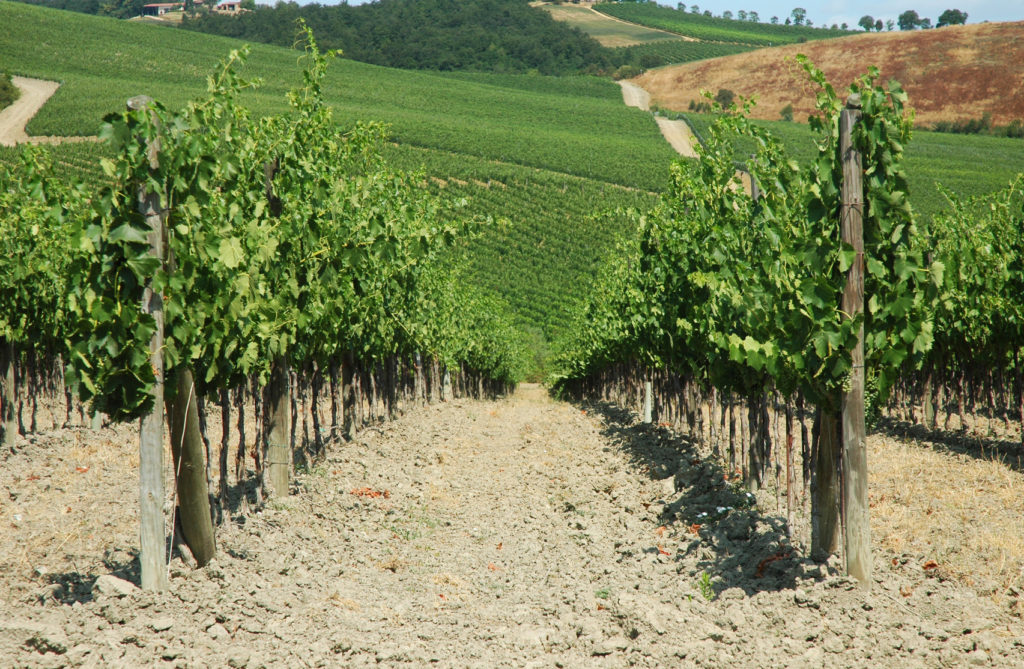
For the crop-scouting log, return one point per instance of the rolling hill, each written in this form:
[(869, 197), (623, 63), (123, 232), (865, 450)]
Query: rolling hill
[(952, 73)]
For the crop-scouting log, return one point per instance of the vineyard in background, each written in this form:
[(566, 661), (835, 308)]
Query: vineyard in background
[(544, 122), (714, 29)]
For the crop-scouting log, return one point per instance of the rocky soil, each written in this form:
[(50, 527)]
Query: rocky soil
[(522, 532)]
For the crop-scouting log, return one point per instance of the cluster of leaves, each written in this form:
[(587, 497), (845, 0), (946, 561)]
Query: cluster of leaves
[(38, 214), (286, 239), (8, 91), (737, 292), (979, 322)]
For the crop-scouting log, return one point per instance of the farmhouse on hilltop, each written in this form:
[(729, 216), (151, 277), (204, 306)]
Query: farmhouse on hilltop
[(161, 8)]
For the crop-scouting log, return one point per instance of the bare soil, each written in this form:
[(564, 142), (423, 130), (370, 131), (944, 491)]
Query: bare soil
[(14, 118), (676, 133), (951, 73), (522, 532)]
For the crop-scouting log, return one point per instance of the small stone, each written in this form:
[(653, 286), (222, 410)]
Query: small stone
[(113, 586), (609, 646), (668, 487), (814, 657), (977, 658), (732, 593), (834, 645), (161, 624), (217, 632), (238, 658), (655, 622), (804, 598)]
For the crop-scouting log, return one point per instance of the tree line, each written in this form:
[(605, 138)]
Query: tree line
[(911, 20)]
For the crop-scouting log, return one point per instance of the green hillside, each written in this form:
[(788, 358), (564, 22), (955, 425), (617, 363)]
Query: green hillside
[(102, 62), (561, 149), (966, 164), (714, 29)]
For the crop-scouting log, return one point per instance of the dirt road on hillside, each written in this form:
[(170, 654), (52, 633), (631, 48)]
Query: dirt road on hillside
[(14, 118), (522, 532), (676, 133)]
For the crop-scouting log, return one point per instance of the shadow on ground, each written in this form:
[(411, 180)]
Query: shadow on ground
[(1009, 452), (731, 539)]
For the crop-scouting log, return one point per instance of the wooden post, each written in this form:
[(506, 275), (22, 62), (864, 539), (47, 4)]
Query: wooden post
[(856, 528), (151, 428), (824, 487), (278, 460), (648, 401), (8, 393), (348, 396)]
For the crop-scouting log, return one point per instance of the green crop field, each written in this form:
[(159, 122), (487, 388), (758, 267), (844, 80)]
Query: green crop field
[(667, 52), (714, 29), (102, 62), (966, 164)]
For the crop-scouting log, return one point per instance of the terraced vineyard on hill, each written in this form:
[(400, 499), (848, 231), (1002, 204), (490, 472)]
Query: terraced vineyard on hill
[(714, 29)]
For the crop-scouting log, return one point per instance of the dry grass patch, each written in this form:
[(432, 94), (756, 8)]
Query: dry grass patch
[(953, 73), (966, 514)]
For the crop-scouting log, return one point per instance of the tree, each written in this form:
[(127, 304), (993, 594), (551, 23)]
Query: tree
[(727, 14), (844, 26), (867, 22), (725, 97), (799, 15), (889, 25), (951, 17), (925, 23), (694, 9), (878, 25), (775, 20), (909, 20), (753, 17)]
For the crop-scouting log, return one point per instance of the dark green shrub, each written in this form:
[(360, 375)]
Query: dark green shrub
[(8, 91)]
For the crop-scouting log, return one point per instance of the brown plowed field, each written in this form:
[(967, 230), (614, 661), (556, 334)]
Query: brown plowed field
[(951, 73)]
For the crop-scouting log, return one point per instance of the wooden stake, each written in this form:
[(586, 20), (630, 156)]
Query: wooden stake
[(856, 528), (151, 428)]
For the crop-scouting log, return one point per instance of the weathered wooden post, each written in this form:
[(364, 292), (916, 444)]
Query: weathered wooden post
[(856, 528), (8, 394), (648, 407), (151, 428), (279, 427)]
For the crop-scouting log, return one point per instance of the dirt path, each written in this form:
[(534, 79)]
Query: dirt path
[(14, 118), (515, 533), (676, 133)]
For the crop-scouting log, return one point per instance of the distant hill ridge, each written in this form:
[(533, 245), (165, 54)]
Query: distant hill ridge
[(951, 74)]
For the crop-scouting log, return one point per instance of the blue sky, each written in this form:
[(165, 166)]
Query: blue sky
[(828, 12)]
